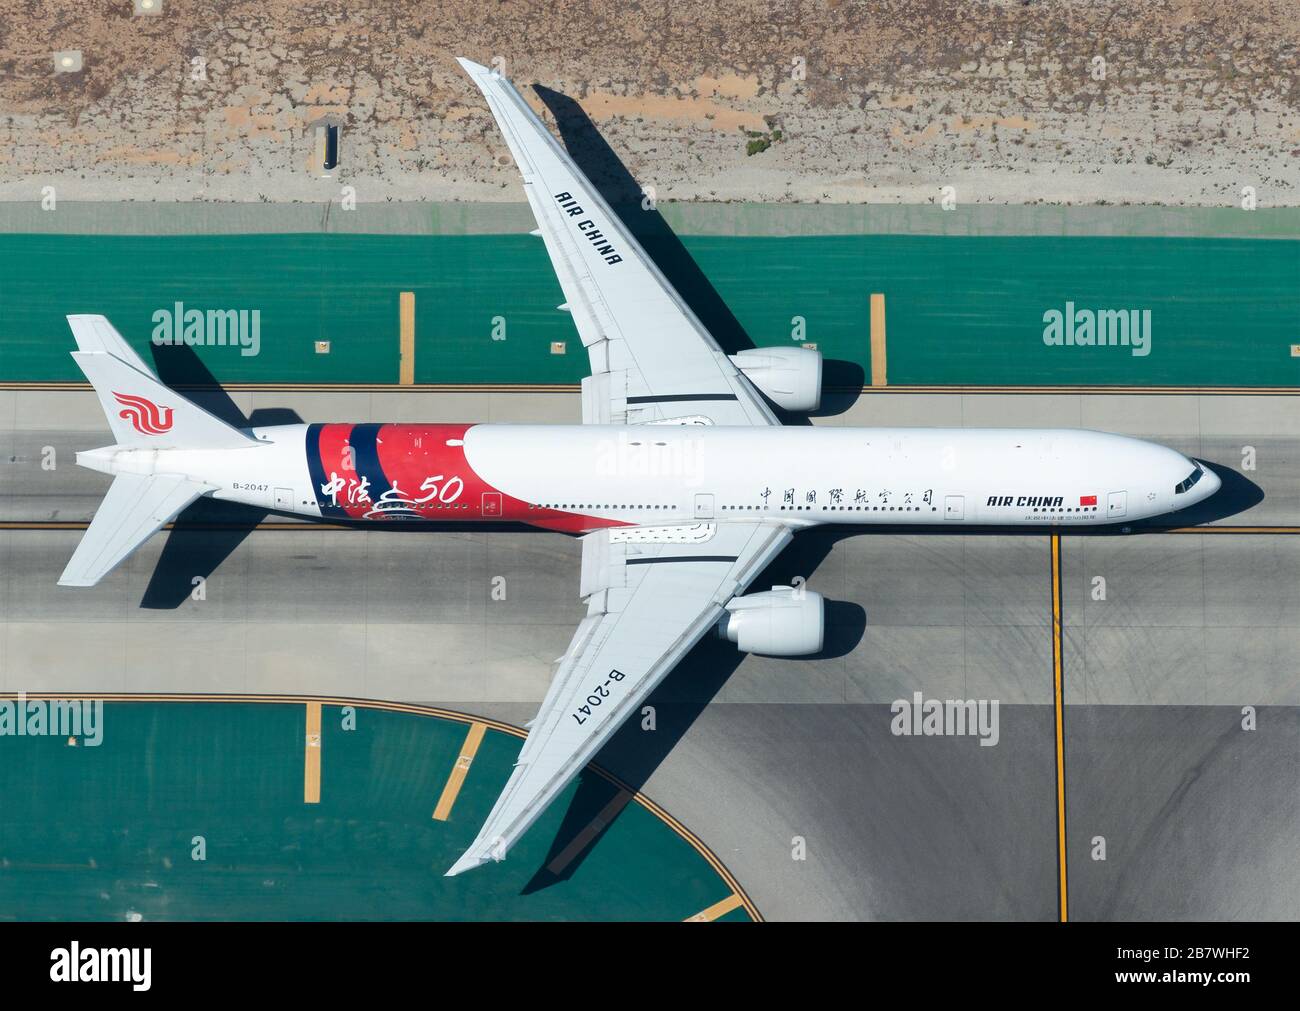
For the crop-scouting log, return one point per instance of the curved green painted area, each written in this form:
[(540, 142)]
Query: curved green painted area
[(106, 833), (961, 309)]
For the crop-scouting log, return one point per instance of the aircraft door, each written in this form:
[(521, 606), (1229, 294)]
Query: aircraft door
[(284, 499), (1117, 505), (954, 507), (703, 507), (492, 505)]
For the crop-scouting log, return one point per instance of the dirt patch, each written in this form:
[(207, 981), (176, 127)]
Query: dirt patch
[(1182, 101)]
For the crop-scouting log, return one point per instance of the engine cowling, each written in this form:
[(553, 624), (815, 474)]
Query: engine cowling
[(781, 621), (791, 377)]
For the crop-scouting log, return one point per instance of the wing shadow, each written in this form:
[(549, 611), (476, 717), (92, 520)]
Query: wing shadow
[(633, 754), (615, 183)]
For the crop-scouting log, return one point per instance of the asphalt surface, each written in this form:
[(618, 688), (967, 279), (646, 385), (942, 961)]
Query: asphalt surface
[(787, 769)]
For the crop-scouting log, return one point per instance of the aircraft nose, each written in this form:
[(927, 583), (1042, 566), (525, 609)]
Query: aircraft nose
[(1210, 483)]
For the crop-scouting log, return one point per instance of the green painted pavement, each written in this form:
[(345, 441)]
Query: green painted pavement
[(106, 833), (961, 309)]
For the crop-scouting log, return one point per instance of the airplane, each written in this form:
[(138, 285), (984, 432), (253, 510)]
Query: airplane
[(681, 480)]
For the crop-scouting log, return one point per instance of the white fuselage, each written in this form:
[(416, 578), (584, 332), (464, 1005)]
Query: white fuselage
[(582, 477)]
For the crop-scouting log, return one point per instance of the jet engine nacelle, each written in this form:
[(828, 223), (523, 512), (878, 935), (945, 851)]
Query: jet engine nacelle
[(790, 377), (782, 621)]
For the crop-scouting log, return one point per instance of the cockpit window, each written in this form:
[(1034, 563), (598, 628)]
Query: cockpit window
[(1188, 481)]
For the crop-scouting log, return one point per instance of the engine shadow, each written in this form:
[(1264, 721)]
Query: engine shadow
[(842, 383), (620, 190)]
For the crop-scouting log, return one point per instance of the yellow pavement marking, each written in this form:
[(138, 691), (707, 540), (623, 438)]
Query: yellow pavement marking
[(716, 911), (311, 771), (458, 771), (878, 340), (406, 374), (1058, 692), (580, 842)]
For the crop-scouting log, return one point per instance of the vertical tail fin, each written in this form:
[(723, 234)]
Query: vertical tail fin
[(143, 414), (141, 411)]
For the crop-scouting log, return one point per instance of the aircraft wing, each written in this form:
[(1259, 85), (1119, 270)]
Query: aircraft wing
[(651, 357), (135, 506), (652, 593)]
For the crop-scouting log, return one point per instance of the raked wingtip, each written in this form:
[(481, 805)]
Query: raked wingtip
[(470, 67), (468, 861)]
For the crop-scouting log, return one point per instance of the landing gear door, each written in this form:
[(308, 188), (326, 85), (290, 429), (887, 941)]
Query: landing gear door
[(954, 507), (1117, 505)]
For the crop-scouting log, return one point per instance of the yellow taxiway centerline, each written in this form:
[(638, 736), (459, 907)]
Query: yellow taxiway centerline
[(716, 911), (1058, 678), (311, 766), (459, 771)]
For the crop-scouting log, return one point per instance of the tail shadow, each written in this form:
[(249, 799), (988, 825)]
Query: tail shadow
[(206, 533), (634, 753)]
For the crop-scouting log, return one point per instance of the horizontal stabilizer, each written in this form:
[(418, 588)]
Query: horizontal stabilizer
[(136, 505)]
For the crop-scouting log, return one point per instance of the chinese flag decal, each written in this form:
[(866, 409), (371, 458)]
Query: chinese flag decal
[(1087, 500)]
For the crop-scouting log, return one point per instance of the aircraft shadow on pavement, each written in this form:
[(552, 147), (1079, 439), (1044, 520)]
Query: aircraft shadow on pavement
[(1237, 494), (203, 537), (634, 753), (206, 533), (624, 195)]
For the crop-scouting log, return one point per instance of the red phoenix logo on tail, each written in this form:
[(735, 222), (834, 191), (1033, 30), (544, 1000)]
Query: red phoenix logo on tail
[(145, 416)]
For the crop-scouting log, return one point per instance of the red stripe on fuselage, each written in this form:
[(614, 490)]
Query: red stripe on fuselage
[(346, 488), (428, 477)]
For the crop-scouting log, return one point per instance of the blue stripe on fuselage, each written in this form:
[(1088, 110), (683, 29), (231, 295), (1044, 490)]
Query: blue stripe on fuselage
[(319, 479), (364, 446)]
